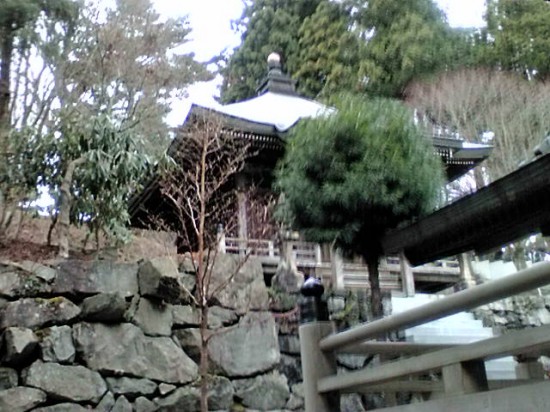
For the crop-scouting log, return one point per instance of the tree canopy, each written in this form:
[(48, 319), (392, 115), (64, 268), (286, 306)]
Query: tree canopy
[(376, 47), (405, 40), (89, 100), (350, 176), (519, 36), (329, 58)]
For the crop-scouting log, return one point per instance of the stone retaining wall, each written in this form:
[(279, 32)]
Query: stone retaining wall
[(518, 312), (107, 336)]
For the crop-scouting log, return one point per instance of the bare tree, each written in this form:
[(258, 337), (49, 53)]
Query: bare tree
[(198, 185), (28, 95), (487, 106)]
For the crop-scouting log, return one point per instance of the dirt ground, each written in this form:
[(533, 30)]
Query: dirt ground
[(27, 240)]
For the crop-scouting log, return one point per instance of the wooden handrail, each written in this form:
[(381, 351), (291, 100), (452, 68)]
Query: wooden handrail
[(512, 343), (536, 276)]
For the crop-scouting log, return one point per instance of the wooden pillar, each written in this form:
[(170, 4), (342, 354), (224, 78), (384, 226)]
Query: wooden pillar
[(318, 255), (242, 216), (317, 364), (465, 377), (529, 369), (407, 277), (221, 239), (337, 269), (466, 275)]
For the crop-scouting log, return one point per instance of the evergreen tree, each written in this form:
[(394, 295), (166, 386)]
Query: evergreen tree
[(268, 26), (350, 176), (113, 93), (404, 40), (330, 52), (26, 32), (520, 36)]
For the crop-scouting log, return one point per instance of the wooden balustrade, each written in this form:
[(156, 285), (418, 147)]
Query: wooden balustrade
[(464, 383), (349, 274)]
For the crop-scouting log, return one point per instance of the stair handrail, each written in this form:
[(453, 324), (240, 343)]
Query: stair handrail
[(462, 366), (533, 277)]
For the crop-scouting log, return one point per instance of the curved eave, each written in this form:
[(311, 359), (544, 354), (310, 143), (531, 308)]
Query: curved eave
[(281, 111), (236, 123), (460, 156)]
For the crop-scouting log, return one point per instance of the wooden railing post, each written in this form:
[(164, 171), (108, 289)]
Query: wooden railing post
[(407, 277), (466, 275), (317, 364), (318, 254), (465, 377), (337, 269), (222, 247)]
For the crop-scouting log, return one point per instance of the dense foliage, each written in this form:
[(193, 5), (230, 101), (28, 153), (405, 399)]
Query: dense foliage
[(520, 36), (329, 57), (328, 46), (350, 176), (406, 40), (90, 91)]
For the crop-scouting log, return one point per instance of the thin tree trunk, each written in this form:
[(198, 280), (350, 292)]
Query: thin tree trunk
[(50, 229), (3, 216), (65, 199), (6, 48), (202, 281), (374, 281), (203, 366)]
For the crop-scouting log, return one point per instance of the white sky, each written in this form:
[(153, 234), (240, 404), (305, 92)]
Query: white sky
[(211, 24)]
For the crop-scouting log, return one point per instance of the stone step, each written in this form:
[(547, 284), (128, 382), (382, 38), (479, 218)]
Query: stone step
[(501, 369), (460, 328)]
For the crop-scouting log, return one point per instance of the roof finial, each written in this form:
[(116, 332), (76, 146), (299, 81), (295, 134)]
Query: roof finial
[(276, 81), (274, 61)]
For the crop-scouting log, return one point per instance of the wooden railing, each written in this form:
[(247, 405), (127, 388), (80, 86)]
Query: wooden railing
[(461, 366), (335, 270), (255, 247)]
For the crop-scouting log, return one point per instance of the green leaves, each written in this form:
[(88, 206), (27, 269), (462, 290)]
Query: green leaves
[(407, 41), (377, 46), (329, 53), (114, 163), (520, 36), (352, 175)]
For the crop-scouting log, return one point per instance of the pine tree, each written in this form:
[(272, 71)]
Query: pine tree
[(330, 52), (520, 33), (405, 40), (350, 176)]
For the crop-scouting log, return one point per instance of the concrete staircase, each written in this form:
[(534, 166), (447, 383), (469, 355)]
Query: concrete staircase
[(459, 328)]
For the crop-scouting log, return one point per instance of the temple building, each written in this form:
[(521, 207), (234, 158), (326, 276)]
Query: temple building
[(265, 121)]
